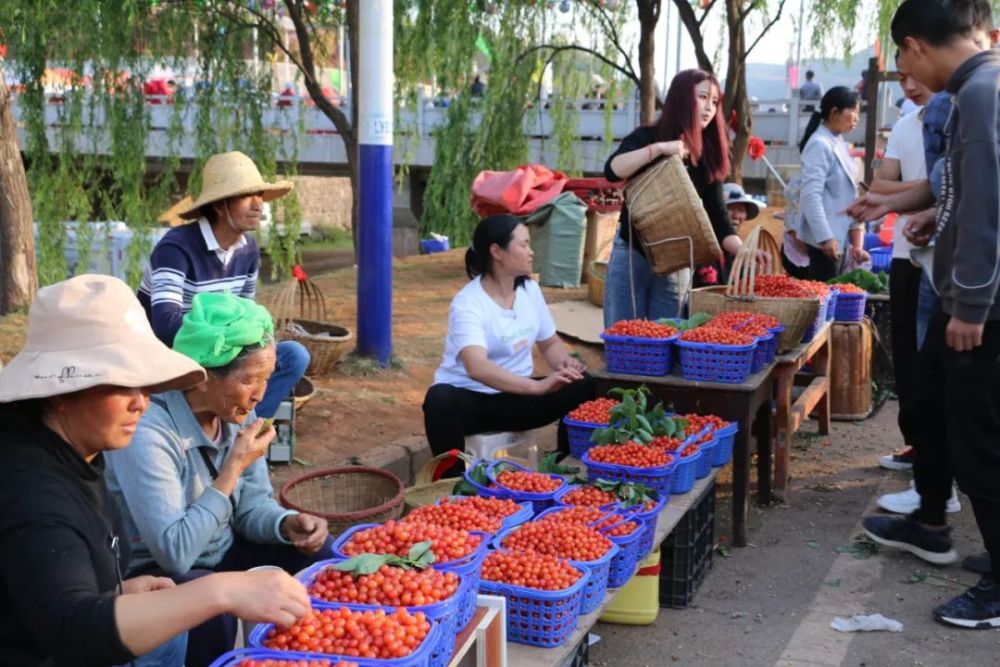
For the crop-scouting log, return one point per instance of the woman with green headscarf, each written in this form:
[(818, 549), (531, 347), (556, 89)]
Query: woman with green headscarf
[(193, 488)]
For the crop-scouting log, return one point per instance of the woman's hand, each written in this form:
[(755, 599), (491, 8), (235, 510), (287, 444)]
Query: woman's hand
[(830, 249), (868, 207), (573, 363), (556, 381), (305, 531), (859, 255), (146, 583), (668, 148), (919, 227), (249, 446), (267, 596)]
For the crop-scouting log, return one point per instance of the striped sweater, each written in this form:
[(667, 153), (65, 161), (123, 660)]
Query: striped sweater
[(181, 266)]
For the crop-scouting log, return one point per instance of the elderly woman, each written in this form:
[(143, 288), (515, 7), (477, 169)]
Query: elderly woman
[(77, 390), (194, 489)]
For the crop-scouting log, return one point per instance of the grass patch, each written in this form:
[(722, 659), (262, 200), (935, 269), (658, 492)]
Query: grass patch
[(328, 238), (356, 365)]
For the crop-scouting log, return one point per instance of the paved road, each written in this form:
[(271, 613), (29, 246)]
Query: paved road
[(772, 603)]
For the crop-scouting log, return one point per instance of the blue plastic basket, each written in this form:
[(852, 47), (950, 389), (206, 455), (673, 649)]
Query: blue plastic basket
[(516, 519), (658, 478), (540, 501), (579, 434), (716, 363), (639, 356), (872, 240), (850, 306), (597, 584), (345, 537), (421, 656), (817, 324), (707, 457), (761, 352), (724, 450), (831, 305), (624, 563), (881, 259), (650, 517), (235, 657), (686, 472), (471, 570), (540, 618)]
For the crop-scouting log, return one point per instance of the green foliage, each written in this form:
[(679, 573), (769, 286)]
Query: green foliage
[(419, 557), (631, 420), (112, 46)]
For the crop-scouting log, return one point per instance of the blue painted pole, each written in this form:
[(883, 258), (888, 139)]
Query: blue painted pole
[(375, 132)]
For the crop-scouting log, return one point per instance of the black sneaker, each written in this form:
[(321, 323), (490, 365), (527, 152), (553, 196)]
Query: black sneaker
[(978, 563), (977, 608), (906, 533)]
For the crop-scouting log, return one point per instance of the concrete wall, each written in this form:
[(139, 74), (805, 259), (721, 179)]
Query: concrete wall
[(326, 200)]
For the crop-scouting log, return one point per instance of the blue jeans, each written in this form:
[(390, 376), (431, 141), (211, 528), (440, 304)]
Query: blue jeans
[(927, 301), (168, 654), (655, 296), (293, 359)]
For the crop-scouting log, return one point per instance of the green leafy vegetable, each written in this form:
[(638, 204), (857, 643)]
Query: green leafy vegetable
[(420, 557), (873, 283)]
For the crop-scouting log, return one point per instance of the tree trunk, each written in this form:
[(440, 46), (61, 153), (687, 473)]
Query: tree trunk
[(736, 88), (353, 33), (649, 14), (18, 274)]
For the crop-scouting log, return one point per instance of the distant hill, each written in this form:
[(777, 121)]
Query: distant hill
[(767, 81)]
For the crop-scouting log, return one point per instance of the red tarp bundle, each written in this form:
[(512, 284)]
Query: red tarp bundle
[(517, 192)]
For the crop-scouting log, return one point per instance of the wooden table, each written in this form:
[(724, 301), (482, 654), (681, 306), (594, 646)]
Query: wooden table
[(748, 404), (522, 655), (789, 416)]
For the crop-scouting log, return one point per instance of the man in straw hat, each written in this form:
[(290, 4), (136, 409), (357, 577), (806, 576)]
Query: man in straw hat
[(77, 390), (217, 254)]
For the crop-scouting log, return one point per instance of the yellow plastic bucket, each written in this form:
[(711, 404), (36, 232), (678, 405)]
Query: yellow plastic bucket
[(638, 602)]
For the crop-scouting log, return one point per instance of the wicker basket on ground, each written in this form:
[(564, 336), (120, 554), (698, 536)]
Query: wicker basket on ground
[(346, 496), (666, 212), (596, 277), (303, 392), (427, 491), (738, 293), (299, 313)]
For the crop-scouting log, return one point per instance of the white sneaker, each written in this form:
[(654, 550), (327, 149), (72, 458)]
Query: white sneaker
[(905, 502)]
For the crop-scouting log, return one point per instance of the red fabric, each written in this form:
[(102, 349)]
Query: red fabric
[(518, 192), (157, 88), (756, 148), (299, 273)]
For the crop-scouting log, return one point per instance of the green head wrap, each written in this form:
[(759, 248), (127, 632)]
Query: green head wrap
[(219, 326)]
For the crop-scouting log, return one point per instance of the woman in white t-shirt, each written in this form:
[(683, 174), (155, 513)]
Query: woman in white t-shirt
[(484, 382)]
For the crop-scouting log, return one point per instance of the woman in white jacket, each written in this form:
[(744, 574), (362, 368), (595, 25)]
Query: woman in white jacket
[(829, 185)]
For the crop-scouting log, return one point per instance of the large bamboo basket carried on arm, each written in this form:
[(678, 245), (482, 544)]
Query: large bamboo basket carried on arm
[(666, 212), (738, 293), (299, 313)]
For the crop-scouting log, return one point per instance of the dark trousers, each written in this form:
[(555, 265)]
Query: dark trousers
[(215, 636), (451, 413), (821, 267), (957, 428), (795, 271), (904, 290)]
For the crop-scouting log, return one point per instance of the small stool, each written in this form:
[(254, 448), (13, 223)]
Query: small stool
[(491, 446)]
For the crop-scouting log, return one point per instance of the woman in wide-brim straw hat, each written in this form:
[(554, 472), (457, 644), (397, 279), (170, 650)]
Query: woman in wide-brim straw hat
[(78, 389), (219, 254), (193, 488)]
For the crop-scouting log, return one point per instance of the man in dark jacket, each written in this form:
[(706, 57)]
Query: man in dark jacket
[(959, 426)]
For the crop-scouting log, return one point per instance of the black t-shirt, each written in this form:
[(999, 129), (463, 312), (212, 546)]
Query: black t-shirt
[(58, 570), (711, 193)]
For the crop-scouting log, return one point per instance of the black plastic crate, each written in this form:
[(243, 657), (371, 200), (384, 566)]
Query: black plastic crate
[(686, 554)]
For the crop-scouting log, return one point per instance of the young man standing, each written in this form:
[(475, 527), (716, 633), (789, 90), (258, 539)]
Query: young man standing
[(958, 426), (218, 254)]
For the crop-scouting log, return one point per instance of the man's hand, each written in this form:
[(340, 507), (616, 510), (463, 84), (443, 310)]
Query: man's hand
[(919, 227), (305, 531), (830, 249), (869, 207), (963, 336), (860, 255)]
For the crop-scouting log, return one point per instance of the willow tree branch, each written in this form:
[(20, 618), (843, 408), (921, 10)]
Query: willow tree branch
[(770, 24), (609, 25), (630, 73)]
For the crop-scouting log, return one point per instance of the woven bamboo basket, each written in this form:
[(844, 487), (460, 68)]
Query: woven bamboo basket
[(303, 392), (597, 273), (301, 307), (666, 212), (346, 496), (738, 293)]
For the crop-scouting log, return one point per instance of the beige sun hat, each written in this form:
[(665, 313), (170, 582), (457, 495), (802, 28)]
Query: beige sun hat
[(88, 331), (232, 175)]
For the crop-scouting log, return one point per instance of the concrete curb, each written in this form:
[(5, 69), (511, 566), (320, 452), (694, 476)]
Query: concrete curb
[(403, 457)]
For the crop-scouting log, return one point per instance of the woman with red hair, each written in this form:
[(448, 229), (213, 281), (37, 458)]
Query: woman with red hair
[(691, 126)]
